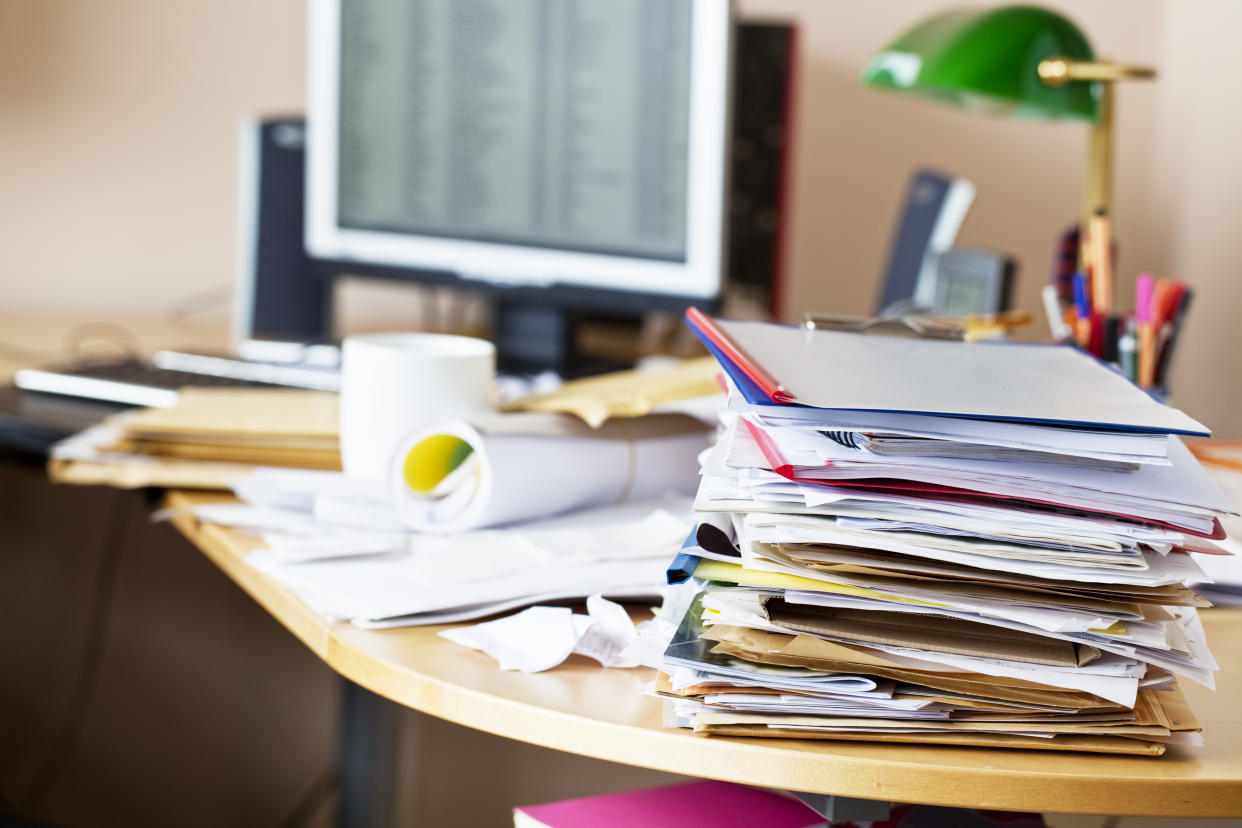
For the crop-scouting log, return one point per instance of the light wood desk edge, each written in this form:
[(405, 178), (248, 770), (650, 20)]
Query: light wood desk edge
[(582, 709)]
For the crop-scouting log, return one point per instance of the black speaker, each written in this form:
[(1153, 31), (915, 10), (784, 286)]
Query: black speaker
[(280, 294), (765, 58)]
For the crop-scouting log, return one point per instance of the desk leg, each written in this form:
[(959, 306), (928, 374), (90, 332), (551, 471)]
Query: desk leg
[(844, 809), (368, 757)]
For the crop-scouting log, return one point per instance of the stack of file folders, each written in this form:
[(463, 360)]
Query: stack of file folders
[(937, 542)]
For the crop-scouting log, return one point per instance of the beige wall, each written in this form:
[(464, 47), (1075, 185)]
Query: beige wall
[(117, 187), (118, 133)]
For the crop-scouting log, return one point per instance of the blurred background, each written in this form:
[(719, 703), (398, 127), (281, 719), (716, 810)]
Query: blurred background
[(118, 155)]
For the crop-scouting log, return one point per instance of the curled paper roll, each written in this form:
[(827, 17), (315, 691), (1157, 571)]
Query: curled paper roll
[(461, 475)]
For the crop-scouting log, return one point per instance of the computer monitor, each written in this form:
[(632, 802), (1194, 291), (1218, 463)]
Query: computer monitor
[(569, 153)]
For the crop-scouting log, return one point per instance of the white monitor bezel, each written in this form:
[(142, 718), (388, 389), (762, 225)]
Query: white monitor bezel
[(699, 276)]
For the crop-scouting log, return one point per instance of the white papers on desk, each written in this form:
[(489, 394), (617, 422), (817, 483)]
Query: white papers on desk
[(1115, 446), (619, 551), (338, 545), (540, 638), (1144, 568), (1223, 582), (1180, 494), (727, 486), (1225, 571)]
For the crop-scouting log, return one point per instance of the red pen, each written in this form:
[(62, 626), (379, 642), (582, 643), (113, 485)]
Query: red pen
[(1096, 345)]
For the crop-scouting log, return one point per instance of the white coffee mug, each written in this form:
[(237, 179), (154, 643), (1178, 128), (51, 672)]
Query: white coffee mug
[(394, 383)]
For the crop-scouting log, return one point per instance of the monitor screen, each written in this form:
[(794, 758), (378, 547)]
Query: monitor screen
[(522, 141)]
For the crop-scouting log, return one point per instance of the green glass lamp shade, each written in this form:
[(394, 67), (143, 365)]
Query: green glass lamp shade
[(988, 59)]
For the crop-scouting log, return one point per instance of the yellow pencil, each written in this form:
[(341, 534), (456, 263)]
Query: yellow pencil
[(1101, 264)]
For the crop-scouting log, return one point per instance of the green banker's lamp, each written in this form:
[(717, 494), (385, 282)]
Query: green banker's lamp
[(1021, 61)]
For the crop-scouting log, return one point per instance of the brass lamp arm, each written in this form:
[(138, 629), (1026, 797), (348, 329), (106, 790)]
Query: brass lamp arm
[(1056, 71)]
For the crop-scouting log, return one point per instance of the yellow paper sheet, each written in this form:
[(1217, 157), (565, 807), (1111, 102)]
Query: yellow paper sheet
[(262, 414), (735, 574), (627, 393)]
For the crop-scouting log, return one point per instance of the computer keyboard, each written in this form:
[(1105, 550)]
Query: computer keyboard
[(140, 382), (320, 377)]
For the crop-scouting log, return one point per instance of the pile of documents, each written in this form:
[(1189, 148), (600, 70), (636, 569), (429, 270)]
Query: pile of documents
[(213, 436), (1223, 460), (342, 549), (939, 542), (500, 512), (210, 437)]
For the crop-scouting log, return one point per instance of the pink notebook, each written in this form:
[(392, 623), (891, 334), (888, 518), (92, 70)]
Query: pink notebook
[(703, 804)]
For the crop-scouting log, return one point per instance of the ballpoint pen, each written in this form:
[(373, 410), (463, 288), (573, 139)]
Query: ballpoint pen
[(1101, 264), (1111, 324), (1127, 347), (1082, 306), (1143, 305), (1175, 325)]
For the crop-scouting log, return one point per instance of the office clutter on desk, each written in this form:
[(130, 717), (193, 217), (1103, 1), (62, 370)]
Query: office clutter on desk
[(976, 545), (1223, 460), (629, 393), (540, 638), (392, 383), (1082, 310), (341, 548), (490, 471), (213, 436), (613, 502), (585, 509), (210, 437), (968, 328)]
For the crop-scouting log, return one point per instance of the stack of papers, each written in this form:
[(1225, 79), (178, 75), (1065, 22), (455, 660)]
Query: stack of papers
[(982, 544), (339, 545), (1223, 460), (211, 436)]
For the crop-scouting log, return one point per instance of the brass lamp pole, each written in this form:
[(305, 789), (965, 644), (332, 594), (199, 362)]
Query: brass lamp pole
[(1057, 72)]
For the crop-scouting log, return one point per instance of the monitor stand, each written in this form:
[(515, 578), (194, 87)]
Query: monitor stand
[(531, 338)]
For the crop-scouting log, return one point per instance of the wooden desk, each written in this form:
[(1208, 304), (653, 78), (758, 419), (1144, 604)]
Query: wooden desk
[(583, 709)]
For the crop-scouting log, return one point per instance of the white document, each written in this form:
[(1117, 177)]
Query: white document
[(540, 638), (299, 488), (1222, 584), (622, 550), (1154, 569), (535, 639), (1181, 486), (320, 546), (472, 611), (1181, 494), (1118, 446), (610, 633)]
